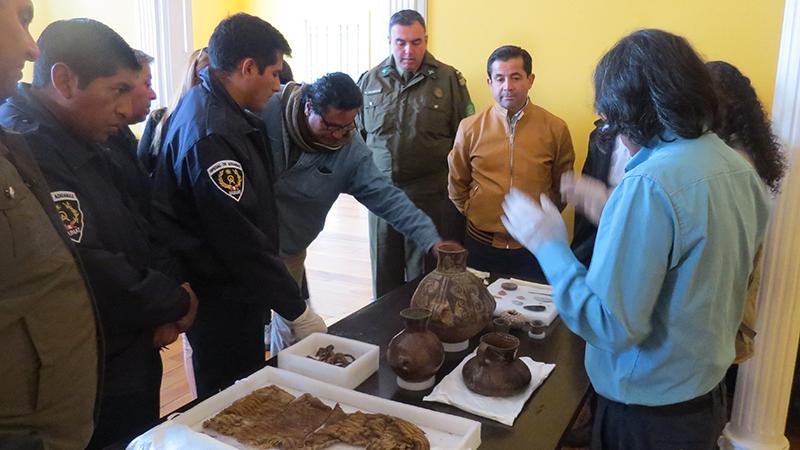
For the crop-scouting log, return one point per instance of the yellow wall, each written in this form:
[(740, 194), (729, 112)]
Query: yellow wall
[(120, 15), (206, 14), (566, 40)]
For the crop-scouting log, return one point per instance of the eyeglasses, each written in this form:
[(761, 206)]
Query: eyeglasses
[(332, 127)]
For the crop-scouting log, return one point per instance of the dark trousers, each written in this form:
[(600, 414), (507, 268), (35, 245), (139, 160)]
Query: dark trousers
[(692, 425), (123, 417), (517, 263), (227, 342)]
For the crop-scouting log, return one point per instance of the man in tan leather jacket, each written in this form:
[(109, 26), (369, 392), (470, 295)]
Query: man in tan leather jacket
[(48, 337), (512, 144)]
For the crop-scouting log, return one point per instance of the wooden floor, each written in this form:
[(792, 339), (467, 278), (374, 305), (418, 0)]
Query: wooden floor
[(339, 280)]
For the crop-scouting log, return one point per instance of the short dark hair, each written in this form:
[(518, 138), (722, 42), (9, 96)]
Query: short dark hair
[(652, 82), (406, 17), (743, 123), (243, 36), (91, 50), (507, 52), (142, 58), (286, 74), (333, 90)]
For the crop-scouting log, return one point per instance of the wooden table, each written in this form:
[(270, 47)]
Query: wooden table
[(544, 419)]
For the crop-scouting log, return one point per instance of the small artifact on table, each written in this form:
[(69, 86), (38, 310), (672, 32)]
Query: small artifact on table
[(328, 355), (516, 320), (537, 329), (495, 370), (509, 286), (535, 308), (415, 354), (501, 325), (272, 418), (502, 292)]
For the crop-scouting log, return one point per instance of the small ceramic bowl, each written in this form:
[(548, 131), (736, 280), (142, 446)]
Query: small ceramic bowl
[(537, 329)]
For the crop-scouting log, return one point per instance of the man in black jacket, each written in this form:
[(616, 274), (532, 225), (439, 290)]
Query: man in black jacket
[(214, 205), (122, 145), (79, 96)]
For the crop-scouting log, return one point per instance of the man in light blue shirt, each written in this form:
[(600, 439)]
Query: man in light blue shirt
[(663, 297)]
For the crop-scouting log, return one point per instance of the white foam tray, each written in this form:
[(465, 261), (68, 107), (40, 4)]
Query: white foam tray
[(367, 357), (184, 431), (527, 293)]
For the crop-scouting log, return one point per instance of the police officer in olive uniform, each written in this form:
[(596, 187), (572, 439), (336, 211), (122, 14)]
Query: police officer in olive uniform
[(48, 330), (412, 107)]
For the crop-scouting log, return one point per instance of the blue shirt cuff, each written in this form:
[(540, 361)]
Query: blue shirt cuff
[(556, 258)]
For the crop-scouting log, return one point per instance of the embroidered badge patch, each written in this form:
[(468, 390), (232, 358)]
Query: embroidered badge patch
[(69, 211), (228, 176)]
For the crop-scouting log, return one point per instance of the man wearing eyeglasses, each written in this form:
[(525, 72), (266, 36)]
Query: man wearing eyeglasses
[(317, 156)]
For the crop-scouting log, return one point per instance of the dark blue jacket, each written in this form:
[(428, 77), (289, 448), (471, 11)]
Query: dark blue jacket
[(214, 205), (112, 240)]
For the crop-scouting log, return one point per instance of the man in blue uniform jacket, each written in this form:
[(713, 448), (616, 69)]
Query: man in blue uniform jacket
[(213, 204)]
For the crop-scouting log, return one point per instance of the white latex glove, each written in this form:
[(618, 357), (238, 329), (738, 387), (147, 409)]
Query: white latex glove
[(530, 224), (589, 195), (280, 334), (284, 333)]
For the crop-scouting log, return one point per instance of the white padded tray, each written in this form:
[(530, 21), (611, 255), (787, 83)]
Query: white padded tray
[(527, 294), (444, 431), (366, 361)]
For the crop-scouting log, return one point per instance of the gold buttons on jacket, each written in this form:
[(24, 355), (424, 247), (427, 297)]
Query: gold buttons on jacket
[(10, 192)]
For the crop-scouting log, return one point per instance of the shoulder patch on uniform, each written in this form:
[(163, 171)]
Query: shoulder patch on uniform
[(228, 176), (69, 211), (461, 80), (470, 109)]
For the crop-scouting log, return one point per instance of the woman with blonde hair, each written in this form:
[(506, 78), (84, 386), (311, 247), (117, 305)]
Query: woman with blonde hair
[(150, 143)]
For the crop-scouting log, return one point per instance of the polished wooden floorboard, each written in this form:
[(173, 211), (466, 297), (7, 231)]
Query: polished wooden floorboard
[(339, 280)]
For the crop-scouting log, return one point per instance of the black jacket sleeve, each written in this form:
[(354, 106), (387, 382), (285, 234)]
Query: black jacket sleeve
[(131, 299), (597, 165)]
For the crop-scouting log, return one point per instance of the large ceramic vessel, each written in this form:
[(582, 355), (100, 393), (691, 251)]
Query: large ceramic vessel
[(415, 354), (495, 370), (460, 304)]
